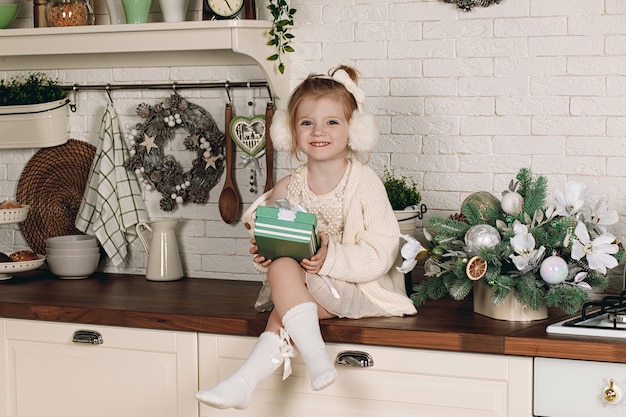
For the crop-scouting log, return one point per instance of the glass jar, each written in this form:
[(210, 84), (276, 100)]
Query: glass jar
[(69, 13)]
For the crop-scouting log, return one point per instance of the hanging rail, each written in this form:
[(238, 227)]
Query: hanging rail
[(227, 85)]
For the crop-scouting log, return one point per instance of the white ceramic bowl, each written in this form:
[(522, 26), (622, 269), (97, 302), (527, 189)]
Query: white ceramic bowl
[(71, 241), (72, 251), (73, 266)]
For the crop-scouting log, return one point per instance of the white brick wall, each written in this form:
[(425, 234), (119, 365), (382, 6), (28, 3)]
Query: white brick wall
[(464, 100)]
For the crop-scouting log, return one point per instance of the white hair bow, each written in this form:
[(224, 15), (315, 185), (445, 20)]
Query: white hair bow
[(341, 76)]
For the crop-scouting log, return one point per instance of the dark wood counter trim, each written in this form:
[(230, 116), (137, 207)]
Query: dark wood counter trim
[(226, 307), (570, 348)]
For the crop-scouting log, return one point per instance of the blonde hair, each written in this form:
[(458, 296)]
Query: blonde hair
[(316, 86)]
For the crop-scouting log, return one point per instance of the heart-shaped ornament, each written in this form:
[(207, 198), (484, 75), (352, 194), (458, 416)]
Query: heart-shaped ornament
[(249, 133)]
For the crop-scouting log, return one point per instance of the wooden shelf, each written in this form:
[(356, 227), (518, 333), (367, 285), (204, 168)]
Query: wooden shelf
[(198, 43)]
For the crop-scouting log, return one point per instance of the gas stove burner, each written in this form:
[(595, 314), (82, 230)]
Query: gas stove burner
[(615, 304), (617, 317), (604, 318)]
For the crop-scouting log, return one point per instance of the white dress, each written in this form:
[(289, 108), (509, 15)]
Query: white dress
[(341, 298)]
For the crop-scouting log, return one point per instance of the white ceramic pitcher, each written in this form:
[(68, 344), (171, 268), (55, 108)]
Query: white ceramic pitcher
[(163, 256)]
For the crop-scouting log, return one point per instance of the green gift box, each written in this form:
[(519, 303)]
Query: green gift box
[(280, 232)]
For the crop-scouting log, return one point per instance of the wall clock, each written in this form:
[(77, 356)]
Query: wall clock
[(228, 9)]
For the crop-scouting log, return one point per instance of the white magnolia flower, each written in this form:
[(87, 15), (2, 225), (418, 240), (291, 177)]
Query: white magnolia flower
[(601, 216), (572, 201), (523, 243), (410, 251), (597, 251)]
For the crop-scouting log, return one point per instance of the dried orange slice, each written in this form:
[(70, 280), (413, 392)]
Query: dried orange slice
[(476, 268)]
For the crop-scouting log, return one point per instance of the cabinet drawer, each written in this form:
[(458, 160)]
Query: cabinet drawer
[(133, 372), (401, 382), (572, 388)]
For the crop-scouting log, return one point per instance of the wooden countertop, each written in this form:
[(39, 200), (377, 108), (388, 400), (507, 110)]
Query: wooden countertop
[(226, 307)]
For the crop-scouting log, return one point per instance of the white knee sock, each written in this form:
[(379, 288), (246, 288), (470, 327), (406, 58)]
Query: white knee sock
[(236, 391), (302, 325)]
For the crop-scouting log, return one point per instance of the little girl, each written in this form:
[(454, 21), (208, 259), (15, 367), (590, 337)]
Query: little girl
[(352, 274)]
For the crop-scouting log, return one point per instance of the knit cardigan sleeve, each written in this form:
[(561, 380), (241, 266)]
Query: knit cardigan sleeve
[(371, 236)]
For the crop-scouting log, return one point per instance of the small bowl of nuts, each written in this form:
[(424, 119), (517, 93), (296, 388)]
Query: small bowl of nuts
[(69, 13)]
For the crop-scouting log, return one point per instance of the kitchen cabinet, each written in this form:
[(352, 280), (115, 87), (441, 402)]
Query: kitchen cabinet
[(133, 372), (155, 373), (446, 354), (402, 382), (567, 388)]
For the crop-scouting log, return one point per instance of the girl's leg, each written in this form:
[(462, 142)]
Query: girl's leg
[(236, 391), (295, 307), (300, 317)]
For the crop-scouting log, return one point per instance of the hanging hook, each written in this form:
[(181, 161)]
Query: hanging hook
[(250, 100), (227, 87), (108, 90), (73, 100), (174, 84), (269, 92)]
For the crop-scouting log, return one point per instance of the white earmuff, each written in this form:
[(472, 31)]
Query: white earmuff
[(363, 132), (280, 133)]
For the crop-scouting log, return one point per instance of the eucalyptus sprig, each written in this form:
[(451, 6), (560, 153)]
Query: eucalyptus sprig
[(282, 14)]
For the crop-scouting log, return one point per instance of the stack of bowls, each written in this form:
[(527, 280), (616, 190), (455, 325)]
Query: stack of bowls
[(72, 256)]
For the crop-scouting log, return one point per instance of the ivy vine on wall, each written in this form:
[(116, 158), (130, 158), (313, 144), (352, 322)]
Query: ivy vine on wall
[(280, 35)]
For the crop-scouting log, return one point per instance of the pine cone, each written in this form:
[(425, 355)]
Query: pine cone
[(143, 110), (167, 204), (459, 217)]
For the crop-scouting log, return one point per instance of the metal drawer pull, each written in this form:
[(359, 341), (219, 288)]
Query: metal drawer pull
[(354, 358), (91, 337), (613, 393)]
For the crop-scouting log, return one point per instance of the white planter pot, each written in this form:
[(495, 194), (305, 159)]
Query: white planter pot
[(34, 126), (407, 220), (510, 310)]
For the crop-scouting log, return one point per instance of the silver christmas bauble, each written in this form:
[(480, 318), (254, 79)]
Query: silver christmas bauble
[(512, 203), (481, 236), (553, 269)]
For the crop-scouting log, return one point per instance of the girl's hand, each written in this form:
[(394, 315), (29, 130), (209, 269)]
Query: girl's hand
[(313, 265), (254, 250)]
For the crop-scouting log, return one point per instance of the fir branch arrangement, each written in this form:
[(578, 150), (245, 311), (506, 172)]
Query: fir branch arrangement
[(280, 34), (34, 89), (545, 255), (402, 192)]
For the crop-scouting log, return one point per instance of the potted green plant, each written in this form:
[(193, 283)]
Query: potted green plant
[(405, 198), (33, 112)]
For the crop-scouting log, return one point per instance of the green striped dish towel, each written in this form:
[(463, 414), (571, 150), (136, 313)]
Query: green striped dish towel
[(112, 204)]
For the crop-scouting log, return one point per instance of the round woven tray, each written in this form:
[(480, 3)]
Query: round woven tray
[(53, 183)]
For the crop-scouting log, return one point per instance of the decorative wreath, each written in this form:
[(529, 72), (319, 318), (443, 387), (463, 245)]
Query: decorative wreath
[(163, 172)]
